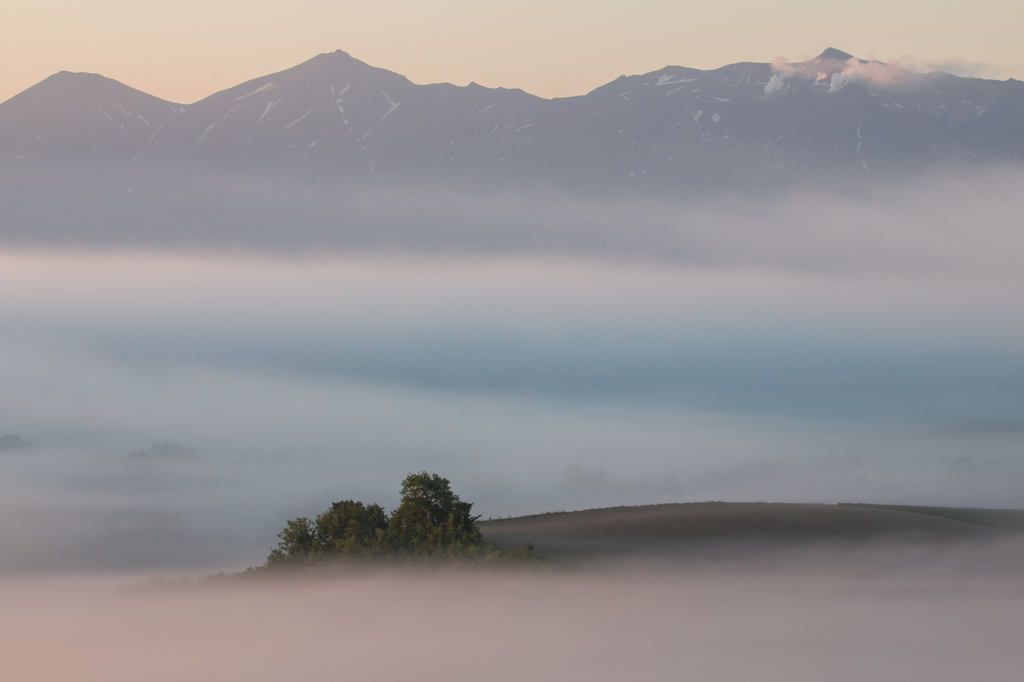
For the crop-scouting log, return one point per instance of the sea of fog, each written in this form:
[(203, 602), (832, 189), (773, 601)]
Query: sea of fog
[(844, 618), (168, 403)]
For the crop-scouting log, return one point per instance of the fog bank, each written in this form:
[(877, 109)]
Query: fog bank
[(172, 390), (950, 219), (876, 620)]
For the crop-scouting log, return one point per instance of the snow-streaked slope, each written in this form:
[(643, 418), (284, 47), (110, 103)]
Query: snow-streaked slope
[(675, 130), (336, 116), (83, 118)]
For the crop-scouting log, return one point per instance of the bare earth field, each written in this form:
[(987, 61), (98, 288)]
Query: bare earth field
[(708, 529)]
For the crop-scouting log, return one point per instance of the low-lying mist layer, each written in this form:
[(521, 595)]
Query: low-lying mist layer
[(945, 220), (826, 616), (174, 387)]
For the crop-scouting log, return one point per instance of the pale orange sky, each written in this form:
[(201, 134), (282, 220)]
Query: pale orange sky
[(187, 49)]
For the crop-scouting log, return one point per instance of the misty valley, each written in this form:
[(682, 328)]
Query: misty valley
[(712, 374)]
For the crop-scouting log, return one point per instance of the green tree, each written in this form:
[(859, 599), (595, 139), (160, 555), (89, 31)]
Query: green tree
[(299, 542), (431, 518), (351, 527)]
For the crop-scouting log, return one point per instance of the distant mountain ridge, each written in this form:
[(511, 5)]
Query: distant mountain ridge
[(671, 131)]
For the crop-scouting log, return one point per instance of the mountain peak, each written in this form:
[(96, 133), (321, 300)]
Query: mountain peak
[(336, 119), (336, 55), (71, 88), (833, 53), (333, 58)]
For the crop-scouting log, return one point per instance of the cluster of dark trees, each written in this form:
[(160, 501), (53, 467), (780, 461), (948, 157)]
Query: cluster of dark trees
[(430, 521)]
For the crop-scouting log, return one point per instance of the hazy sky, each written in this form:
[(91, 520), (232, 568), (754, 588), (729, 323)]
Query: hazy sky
[(185, 50)]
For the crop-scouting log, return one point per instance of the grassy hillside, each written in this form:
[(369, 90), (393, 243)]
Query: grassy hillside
[(1010, 520), (674, 528)]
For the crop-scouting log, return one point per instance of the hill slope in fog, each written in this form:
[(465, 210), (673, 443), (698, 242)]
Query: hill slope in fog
[(665, 529)]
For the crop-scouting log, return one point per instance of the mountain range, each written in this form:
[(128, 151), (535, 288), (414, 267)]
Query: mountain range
[(335, 119)]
